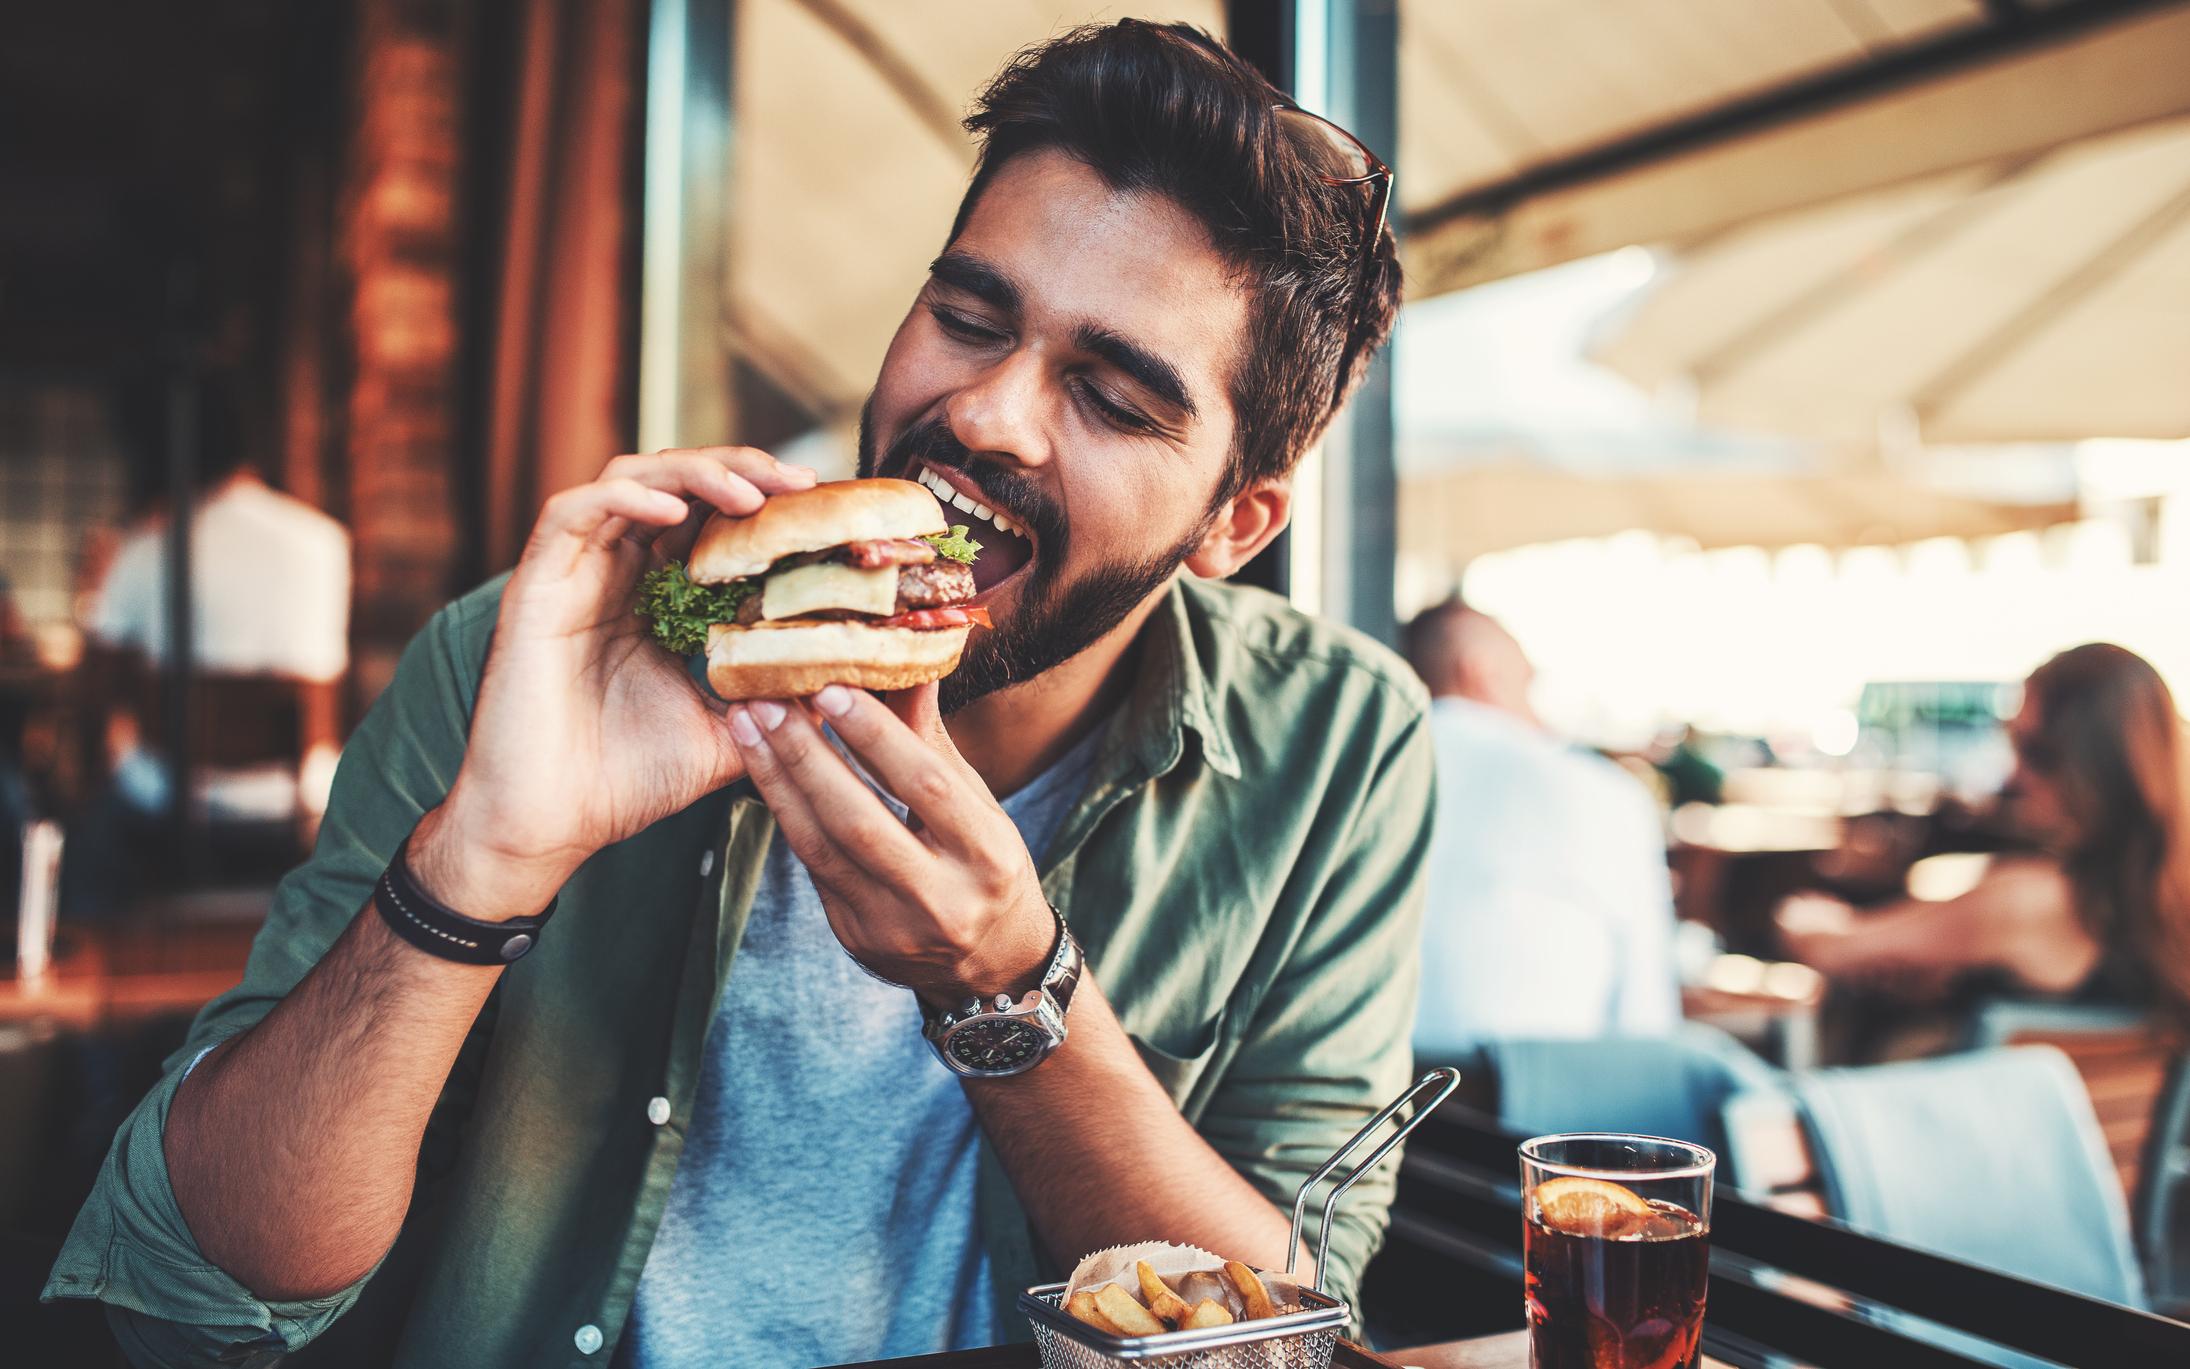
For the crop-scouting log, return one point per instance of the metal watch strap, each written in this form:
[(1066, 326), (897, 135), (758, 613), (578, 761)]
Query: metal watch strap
[(1059, 978), (415, 916), (1066, 965)]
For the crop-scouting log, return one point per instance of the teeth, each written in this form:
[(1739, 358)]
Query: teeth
[(943, 490)]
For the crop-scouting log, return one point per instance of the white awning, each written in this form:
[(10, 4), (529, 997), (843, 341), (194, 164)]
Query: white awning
[(1538, 131), (1458, 514), (2036, 299)]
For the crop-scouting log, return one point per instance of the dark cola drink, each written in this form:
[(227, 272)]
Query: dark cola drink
[(1615, 1281)]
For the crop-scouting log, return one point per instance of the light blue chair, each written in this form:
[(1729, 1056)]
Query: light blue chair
[(1993, 1157), (1675, 1085)]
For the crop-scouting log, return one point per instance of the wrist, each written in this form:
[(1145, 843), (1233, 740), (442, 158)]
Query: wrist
[(1010, 962), (453, 862)]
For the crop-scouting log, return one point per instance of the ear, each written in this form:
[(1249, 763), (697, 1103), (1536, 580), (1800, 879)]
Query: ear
[(1243, 527)]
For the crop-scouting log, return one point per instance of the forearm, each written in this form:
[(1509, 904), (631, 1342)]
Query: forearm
[(1100, 1156), (1902, 936), (292, 1148)]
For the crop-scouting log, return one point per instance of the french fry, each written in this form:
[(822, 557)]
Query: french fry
[(1128, 1316), (1252, 1295), (1207, 1312), (1082, 1305), (1161, 1300)]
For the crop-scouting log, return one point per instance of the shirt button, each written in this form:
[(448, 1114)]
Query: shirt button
[(707, 864), (657, 1111), (588, 1339)]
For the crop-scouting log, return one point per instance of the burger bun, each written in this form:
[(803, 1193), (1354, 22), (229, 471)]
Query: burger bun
[(816, 519), (776, 661)]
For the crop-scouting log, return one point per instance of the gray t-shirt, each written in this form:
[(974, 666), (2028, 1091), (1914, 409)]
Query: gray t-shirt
[(823, 1210)]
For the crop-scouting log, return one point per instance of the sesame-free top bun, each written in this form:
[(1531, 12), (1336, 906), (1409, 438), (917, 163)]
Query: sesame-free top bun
[(811, 520), (779, 660)]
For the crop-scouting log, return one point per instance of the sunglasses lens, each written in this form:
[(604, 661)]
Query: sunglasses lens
[(1334, 151)]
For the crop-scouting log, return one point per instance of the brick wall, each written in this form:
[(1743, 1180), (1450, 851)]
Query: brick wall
[(401, 246)]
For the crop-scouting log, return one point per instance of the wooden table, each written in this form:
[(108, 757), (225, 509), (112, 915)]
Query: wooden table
[(107, 976), (1509, 1351)]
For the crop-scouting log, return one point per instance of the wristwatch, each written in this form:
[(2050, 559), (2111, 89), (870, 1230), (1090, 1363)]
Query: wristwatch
[(994, 1038)]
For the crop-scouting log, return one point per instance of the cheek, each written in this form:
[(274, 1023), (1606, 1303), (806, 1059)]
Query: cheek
[(914, 374)]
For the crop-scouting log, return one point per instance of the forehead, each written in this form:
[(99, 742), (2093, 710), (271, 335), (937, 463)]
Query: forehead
[(1082, 251)]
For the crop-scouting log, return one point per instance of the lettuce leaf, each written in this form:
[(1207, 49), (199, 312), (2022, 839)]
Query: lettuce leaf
[(680, 611), (954, 544)]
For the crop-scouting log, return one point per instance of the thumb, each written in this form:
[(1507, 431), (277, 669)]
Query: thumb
[(919, 709)]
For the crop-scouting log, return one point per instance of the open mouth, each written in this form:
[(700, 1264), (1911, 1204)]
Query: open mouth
[(1006, 547)]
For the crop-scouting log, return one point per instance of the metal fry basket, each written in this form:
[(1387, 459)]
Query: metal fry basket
[(1304, 1337)]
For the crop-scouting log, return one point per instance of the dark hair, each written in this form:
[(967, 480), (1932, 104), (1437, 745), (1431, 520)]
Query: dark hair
[(2109, 737), (1166, 109)]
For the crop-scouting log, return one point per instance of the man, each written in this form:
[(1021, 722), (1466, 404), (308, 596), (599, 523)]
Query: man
[(690, 1128), (1552, 914), (270, 604)]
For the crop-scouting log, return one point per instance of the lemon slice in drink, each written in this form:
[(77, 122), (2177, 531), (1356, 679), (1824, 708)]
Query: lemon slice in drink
[(1589, 1207)]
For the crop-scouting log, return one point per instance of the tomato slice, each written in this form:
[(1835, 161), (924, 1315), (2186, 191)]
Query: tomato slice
[(923, 619)]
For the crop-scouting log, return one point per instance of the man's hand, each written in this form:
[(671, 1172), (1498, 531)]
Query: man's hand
[(585, 730), (950, 906)]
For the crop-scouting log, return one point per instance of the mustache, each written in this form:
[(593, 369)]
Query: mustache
[(1020, 497)]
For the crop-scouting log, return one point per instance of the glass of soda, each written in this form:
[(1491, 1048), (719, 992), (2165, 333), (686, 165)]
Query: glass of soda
[(1616, 1234)]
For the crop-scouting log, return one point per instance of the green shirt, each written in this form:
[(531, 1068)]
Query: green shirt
[(1244, 872)]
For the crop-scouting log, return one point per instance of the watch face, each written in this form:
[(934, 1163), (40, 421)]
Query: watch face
[(997, 1045)]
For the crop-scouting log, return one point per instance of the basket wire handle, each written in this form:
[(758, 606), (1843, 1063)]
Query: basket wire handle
[(1446, 1079)]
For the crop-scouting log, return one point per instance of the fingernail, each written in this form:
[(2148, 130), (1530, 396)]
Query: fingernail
[(741, 727), (769, 712), (834, 700)]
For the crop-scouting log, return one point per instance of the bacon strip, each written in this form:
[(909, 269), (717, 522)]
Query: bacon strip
[(888, 551)]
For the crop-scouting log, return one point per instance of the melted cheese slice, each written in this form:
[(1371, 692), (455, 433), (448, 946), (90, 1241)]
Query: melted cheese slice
[(788, 593)]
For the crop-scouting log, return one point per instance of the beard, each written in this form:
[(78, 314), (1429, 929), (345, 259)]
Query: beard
[(1056, 619)]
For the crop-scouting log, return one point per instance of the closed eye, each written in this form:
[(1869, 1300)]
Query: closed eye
[(959, 326), (1125, 420)]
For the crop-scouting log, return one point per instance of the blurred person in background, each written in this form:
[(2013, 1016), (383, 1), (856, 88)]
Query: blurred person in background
[(2097, 906), (1550, 910), (269, 645)]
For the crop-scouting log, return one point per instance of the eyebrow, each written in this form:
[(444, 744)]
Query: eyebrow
[(963, 271), (977, 278)]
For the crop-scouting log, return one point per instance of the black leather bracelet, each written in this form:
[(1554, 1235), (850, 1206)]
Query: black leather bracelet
[(444, 932)]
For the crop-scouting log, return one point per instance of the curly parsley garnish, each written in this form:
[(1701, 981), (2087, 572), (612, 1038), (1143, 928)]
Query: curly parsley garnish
[(681, 611)]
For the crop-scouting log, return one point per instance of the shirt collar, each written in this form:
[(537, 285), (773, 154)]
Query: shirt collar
[(1177, 689)]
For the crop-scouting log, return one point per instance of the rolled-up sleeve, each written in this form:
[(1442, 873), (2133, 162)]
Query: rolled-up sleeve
[(1330, 1043), (130, 1247)]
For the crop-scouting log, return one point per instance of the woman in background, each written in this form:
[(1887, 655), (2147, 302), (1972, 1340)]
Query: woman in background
[(2101, 907)]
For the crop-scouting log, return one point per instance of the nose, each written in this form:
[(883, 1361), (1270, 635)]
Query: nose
[(1000, 412)]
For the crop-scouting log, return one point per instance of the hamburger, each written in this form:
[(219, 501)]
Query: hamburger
[(856, 582)]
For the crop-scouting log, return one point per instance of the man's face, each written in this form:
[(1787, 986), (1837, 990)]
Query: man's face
[(1066, 366)]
